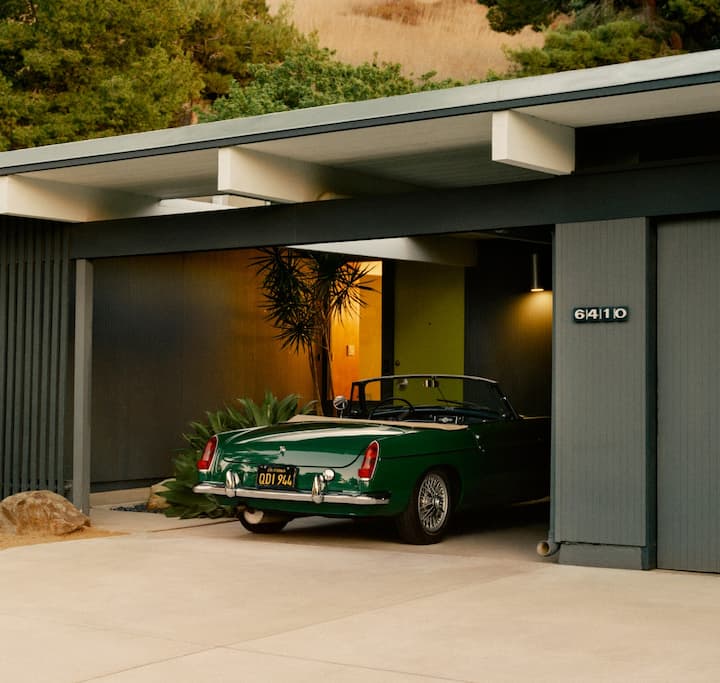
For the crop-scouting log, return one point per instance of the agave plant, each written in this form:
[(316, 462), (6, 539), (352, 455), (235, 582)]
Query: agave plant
[(183, 502)]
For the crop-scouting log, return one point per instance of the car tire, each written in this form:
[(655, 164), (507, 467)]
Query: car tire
[(425, 520), (260, 527)]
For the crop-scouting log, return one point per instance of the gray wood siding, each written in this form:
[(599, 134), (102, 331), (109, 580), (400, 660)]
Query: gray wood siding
[(689, 395), (34, 312), (601, 385), (173, 337)]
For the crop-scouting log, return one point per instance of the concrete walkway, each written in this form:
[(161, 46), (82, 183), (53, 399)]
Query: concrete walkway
[(341, 602)]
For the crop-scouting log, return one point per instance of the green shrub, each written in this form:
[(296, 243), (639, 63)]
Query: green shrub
[(182, 501), (186, 504)]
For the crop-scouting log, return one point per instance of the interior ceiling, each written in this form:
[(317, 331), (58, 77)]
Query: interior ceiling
[(452, 151)]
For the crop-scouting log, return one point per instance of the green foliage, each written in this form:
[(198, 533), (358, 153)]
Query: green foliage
[(512, 16), (226, 37), (697, 22), (304, 293), (309, 76), (86, 68), (183, 502), (90, 68), (81, 69), (605, 32), (566, 49)]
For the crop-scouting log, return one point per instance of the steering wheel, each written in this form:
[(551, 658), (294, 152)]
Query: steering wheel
[(401, 416)]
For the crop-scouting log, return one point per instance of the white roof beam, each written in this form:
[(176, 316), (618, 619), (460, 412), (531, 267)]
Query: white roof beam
[(68, 202), (529, 142), (443, 250), (33, 198), (265, 176)]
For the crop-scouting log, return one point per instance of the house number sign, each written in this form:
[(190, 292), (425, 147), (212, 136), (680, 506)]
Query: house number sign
[(601, 314)]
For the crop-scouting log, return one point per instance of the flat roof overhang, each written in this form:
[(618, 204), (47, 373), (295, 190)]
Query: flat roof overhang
[(472, 136)]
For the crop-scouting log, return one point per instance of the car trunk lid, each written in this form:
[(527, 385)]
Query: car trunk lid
[(307, 444)]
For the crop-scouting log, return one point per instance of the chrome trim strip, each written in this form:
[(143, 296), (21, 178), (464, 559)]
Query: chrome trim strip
[(296, 496)]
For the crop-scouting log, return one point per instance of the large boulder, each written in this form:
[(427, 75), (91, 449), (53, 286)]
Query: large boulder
[(40, 512)]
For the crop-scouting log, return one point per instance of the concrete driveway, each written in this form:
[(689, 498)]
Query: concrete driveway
[(336, 601)]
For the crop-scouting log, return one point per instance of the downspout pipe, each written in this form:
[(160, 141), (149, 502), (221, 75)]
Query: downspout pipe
[(550, 546), (547, 548)]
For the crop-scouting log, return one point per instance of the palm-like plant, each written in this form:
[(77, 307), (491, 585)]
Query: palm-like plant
[(305, 292)]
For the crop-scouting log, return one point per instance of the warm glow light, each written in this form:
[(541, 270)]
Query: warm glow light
[(531, 312)]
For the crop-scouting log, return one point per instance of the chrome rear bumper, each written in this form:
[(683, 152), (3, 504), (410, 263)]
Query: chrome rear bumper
[(296, 496)]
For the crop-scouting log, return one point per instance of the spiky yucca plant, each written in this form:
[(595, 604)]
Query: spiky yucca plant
[(304, 293), (183, 502)]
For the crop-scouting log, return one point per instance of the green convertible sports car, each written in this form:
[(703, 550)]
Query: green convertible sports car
[(410, 448)]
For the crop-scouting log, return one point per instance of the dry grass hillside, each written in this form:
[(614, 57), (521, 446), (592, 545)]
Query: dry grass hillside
[(451, 37)]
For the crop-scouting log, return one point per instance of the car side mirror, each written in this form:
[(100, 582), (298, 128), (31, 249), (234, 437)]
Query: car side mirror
[(340, 403)]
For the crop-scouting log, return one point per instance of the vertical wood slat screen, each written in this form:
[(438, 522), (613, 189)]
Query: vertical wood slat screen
[(34, 298)]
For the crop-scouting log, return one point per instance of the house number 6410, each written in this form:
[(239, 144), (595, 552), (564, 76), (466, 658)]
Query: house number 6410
[(601, 314)]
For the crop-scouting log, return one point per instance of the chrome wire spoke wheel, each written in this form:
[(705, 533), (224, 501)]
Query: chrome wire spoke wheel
[(427, 515), (433, 503)]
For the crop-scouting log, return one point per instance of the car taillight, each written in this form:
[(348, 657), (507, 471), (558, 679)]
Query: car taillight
[(367, 468), (206, 459)]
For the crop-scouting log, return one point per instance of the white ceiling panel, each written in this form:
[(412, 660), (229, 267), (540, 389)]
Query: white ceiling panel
[(390, 140), (164, 176)]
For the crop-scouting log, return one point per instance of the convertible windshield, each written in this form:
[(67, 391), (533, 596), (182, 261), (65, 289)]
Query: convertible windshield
[(434, 398)]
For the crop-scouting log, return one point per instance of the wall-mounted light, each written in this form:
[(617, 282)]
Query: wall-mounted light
[(535, 285)]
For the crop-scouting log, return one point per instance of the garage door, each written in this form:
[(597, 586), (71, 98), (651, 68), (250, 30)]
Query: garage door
[(689, 395)]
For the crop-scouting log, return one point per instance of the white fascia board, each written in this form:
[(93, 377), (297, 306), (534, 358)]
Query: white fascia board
[(442, 250), (529, 142), (265, 176)]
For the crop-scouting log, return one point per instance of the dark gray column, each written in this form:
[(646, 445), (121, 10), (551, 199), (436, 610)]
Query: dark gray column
[(603, 396), (689, 394), (82, 384)]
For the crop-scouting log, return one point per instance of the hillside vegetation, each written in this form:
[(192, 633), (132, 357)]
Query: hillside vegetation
[(75, 69), (451, 37)]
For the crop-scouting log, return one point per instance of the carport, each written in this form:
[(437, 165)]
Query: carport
[(609, 160)]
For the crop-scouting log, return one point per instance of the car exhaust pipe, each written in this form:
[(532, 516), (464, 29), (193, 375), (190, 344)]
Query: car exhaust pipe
[(547, 548)]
